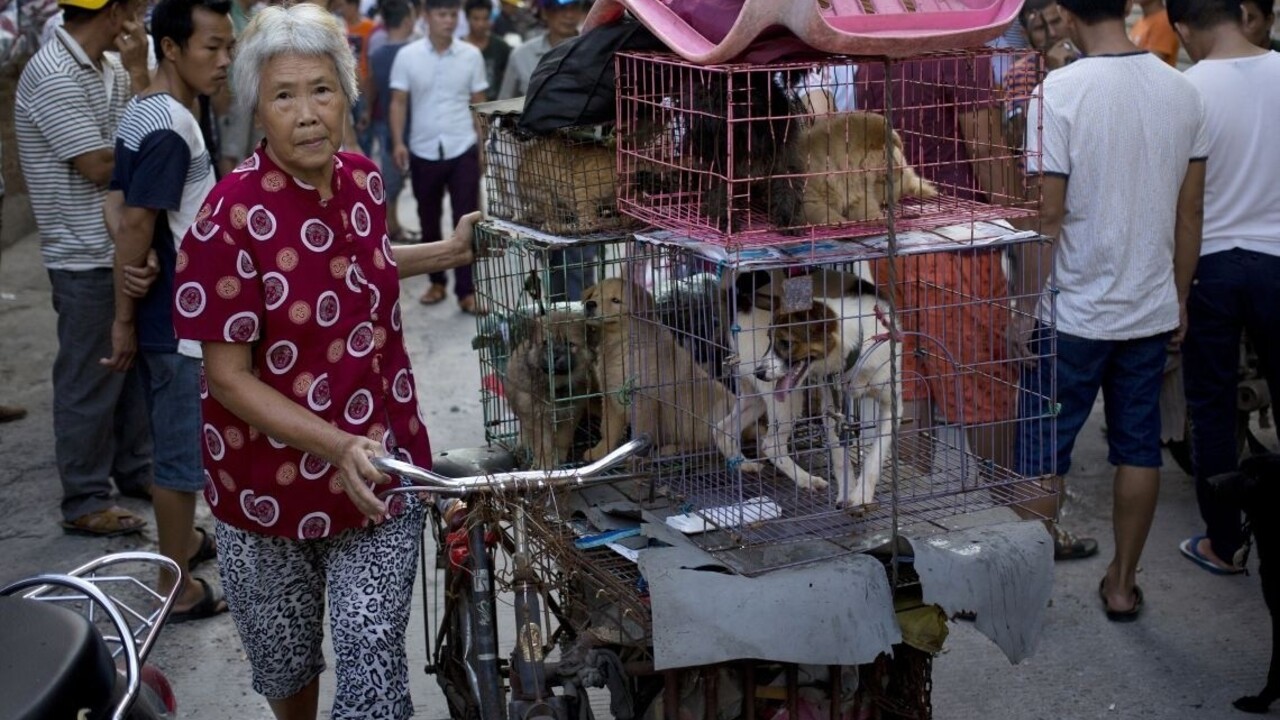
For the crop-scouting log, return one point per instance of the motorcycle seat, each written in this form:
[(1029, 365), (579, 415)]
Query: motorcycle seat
[(53, 663)]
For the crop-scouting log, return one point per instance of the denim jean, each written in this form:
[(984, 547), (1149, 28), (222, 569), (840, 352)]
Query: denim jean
[(100, 425), (392, 177), (173, 398), (573, 270), (1233, 291), (1128, 372)]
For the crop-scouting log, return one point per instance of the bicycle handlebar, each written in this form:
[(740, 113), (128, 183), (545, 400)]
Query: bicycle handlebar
[(426, 480)]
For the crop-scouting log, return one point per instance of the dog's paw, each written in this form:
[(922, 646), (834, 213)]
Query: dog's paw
[(811, 482), (751, 466), (858, 509)]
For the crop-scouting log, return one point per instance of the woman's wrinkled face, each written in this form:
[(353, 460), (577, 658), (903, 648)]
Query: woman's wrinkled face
[(302, 111)]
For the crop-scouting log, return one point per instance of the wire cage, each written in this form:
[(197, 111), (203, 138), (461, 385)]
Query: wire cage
[(539, 393), (838, 147), (563, 183), (833, 394)]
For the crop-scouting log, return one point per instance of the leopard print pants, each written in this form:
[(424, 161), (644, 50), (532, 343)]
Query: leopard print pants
[(276, 587)]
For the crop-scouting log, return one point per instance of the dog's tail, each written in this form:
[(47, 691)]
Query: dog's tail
[(914, 185)]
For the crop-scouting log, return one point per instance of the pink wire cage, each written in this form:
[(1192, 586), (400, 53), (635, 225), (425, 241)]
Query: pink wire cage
[(716, 31), (750, 155)]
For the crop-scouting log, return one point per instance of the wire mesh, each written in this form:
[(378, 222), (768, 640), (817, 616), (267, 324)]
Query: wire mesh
[(750, 155), (563, 183), (595, 591), (770, 386), (539, 392)]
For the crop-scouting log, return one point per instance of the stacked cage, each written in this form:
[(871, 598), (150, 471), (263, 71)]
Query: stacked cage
[(539, 390), (826, 335), (562, 183), (756, 155), (555, 232)]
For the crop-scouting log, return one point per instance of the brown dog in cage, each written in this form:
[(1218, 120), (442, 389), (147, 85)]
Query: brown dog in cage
[(837, 342), (677, 400), (549, 380), (849, 158), (566, 185)]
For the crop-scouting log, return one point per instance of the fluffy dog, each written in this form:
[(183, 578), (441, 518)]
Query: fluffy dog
[(567, 186), (676, 400), (761, 149), (549, 376), (837, 340), (1256, 489), (845, 156)]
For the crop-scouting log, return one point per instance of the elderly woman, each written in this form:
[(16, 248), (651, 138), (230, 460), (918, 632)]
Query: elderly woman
[(289, 280)]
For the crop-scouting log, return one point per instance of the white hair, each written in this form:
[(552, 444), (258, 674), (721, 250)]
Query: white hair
[(303, 29)]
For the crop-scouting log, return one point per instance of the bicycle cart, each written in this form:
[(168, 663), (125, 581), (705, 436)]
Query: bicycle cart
[(813, 486)]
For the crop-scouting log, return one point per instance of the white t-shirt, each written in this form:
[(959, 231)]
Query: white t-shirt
[(440, 86), (1122, 130), (1242, 184)]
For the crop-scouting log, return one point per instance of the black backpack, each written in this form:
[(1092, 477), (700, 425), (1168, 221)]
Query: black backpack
[(573, 84)]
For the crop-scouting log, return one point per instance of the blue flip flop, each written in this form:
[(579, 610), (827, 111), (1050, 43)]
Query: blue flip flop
[(1191, 550)]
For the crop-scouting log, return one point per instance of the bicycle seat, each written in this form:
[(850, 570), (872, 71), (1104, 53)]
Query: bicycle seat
[(467, 462), (53, 663), (709, 32)]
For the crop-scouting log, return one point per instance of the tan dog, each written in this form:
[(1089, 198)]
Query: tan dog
[(567, 187), (845, 156), (549, 377), (677, 404)]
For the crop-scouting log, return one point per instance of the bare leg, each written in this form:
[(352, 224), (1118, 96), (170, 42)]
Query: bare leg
[(300, 706), (178, 540), (1135, 493)]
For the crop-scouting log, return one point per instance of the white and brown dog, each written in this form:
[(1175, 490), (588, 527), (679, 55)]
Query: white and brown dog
[(839, 342)]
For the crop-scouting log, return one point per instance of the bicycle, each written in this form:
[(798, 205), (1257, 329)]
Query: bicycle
[(465, 657)]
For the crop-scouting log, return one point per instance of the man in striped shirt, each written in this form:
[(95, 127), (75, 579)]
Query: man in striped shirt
[(69, 100)]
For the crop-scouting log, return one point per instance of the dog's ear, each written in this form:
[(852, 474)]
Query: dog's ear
[(536, 332)]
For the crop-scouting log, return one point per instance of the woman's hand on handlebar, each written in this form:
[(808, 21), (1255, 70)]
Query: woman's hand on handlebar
[(358, 475)]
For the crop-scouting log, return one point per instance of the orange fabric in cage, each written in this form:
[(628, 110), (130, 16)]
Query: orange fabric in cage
[(964, 365)]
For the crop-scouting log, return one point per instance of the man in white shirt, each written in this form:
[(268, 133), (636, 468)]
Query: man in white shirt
[(439, 78), (1121, 201), (1236, 287)]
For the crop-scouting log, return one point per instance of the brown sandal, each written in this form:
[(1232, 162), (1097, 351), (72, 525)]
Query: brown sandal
[(105, 523), (468, 305), (434, 295)]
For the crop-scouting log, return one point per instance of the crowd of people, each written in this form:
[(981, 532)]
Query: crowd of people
[(163, 143)]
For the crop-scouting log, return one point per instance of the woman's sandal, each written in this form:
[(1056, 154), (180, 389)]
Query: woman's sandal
[(206, 607), (207, 551), (112, 522)]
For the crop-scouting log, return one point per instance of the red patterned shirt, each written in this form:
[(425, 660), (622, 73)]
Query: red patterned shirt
[(313, 286)]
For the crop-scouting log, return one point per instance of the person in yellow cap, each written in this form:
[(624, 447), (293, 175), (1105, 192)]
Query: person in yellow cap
[(70, 98)]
